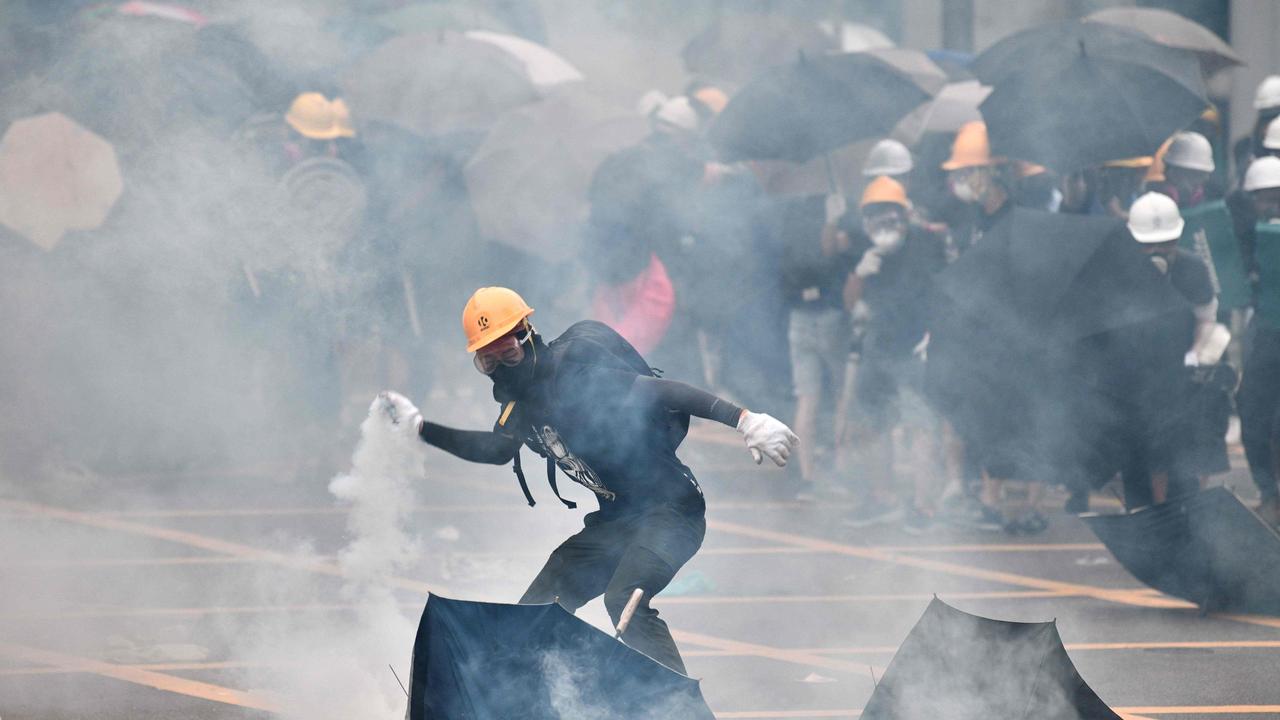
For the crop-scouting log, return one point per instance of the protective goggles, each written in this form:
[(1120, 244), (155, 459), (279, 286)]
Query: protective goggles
[(507, 350)]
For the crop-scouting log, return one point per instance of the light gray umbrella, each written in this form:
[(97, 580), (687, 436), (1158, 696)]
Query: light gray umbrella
[(1174, 30), (955, 105)]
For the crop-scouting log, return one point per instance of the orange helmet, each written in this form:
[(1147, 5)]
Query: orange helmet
[(971, 147), (491, 313), (311, 114), (884, 189)]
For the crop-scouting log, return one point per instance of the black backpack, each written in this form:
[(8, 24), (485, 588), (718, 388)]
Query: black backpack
[(590, 342)]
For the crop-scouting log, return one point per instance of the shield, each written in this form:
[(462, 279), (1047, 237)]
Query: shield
[(738, 46), (433, 84), (1206, 548), (1210, 233), (964, 667), (803, 109), (1176, 31), (1267, 255), (539, 662), (1074, 94), (953, 106), (55, 176), (528, 181)]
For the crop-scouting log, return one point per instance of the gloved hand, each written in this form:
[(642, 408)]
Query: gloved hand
[(869, 264), (399, 410), (835, 207), (767, 436)]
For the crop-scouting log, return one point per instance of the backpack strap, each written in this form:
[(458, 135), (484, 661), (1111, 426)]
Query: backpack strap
[(524, 486), (551, 480)]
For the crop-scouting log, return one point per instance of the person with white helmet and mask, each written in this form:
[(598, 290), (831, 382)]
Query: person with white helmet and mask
[(1188, 165), (1258, 399), (889, 157)]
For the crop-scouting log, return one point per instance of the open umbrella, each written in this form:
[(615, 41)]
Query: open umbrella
[(925, 72), (740, 45), (855, 37), (1074, 94), (960, 666), (800, 110), (528, 181), (436, 83), (1207, 548), (55, 176), (1176, 31), (545, 68), (538, 662), (953, 106)]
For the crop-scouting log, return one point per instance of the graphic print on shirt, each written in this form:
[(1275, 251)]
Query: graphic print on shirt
[(553, 446)]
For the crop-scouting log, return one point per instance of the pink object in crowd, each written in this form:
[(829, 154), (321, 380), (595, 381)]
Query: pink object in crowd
[(639, 309)]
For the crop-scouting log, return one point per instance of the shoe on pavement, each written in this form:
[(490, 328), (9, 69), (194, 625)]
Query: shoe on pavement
[(1031, 524), (873, 512), (978, 516)]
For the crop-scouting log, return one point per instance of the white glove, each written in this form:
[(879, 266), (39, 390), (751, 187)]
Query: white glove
[(836, 207), (766, 436), (869, 264), (921, 350), (399, 410)]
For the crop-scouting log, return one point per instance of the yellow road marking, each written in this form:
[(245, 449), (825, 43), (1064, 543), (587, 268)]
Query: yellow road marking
[(770, 652), (122, 562), (1202, 710), (139, 676), (171, 666), (804, 714)]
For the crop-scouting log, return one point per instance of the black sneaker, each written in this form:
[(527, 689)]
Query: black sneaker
[(873, 512), (1031, 524), (917, 521), (978, 516)]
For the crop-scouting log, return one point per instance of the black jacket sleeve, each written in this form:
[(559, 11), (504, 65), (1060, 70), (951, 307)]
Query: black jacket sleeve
[(684, 398), (471, 445)]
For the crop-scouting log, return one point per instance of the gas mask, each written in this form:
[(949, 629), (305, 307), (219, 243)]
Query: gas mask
[(886, 240), (965, 192), (1161, 264)]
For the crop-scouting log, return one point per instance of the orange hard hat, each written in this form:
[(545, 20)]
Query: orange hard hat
[(1028, 169), (311, 114), (491, 313), (971, 147), (342, 118), (713, 98), (884, 189)]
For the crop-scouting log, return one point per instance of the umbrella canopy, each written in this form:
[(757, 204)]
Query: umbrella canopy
[(486, 660), (1176, 31), (960, 666), (55, 176), (1074, 94), (432, 83), (545, 68), (953, 106), (1207, 548), (800, 110), (434, 17), (923, 71), (740, 45), (856, 37), (528, 181)]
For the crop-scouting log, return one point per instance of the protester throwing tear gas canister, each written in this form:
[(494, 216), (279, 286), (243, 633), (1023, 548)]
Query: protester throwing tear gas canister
[(596, 412)]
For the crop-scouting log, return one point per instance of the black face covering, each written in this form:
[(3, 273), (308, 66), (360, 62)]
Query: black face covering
[(513, 382)]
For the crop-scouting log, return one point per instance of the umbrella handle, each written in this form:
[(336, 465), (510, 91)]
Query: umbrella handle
[(625, 619), (832, 185)]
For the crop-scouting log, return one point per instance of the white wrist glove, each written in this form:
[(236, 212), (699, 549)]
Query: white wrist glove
[(399, 410), (836, 207), (766, 436), (869, 264)]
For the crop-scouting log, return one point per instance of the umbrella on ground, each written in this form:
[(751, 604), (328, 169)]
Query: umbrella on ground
[(800, 110), (528, 181), (55, 176), (436, 83), (486, 660), (739, 45), (953, 106), (1176, 31), (960, 666), (1074, 94), (545, 68), (1206, 548)]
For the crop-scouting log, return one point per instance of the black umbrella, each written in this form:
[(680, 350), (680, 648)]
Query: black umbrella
[(739, 45), (798, 111), (474, 660), (1169, 28), (1207, 548), (1073, 94), (960, 666)]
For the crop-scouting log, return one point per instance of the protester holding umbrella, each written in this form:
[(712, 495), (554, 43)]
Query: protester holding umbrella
[(590, 405), (894, 277)]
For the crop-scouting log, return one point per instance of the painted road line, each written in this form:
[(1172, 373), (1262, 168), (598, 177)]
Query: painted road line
[(1083, 647), (869, 597), (139, 676), (170, 666), (770, 652), (993, 547), (1201, 710), (129, 562), (847, 713)]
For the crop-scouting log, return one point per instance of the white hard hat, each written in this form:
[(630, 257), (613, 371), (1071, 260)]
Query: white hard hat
[(1268, 93), (1154, 218), (1190, 150), (887, 157), (1262, 174), (1271, 140), (676, 114)]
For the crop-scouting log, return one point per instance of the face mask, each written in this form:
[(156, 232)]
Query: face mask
[(1161, 263), (965, 192), (887, 240)]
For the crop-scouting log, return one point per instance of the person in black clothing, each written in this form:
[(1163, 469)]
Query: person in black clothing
[(589, 405)]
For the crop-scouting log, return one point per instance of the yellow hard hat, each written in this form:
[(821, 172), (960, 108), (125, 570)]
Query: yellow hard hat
[(1142, 161), (491, 313), (884, 189), (971, 147), (311, 114), (1155, 173), (1028, 169), (342, 118)]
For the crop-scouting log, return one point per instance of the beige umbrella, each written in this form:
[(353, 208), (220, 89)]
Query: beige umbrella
[(55, 176), (953, 106)]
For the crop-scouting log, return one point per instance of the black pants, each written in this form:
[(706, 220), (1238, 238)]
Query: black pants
[(1258, 401), (614, 556)]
